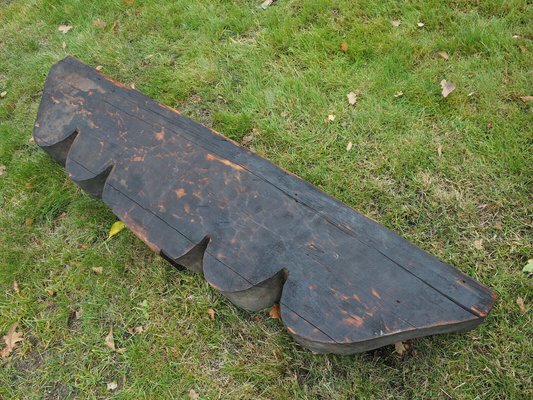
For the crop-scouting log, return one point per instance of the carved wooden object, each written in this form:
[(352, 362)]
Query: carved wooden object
[(257, 233)]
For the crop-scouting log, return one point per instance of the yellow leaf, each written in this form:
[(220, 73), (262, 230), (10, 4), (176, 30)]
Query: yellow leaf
[(211, 314), (116, 228)]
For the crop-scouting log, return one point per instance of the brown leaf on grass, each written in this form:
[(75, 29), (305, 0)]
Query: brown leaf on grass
[(403, 348), (3, 94), (137, 329), (50, 292), (28, 221), (97, 270), (349, 146), (29, 185), (109, 341), (395, 22), (128, 2), (447, 87), (478, 244), (98, 68), (526, 99), (16, 288), (83, 246), (247, 139), (443, 54), (275, 311), (398, 94), (420, 24), (521, 305), (11, 340), (211, 314), (64, 28), (98, 23), (439, 150), (2, 169), (265, 4), (112, 386), (352, 98), (193, 395), (344, 46)]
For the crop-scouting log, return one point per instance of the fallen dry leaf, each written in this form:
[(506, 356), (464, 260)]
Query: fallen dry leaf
[(11, 340), (352, 98), (398, 94), (420, 24), (29, 185), (526, 99), (403, 348), (98, 68), (64, 28), (344, 46), (521, 305), (247, 139), (395, 22), (528, 268), (137, 329), (64, 45), (98, 23), (447, 87), (16, 288), (128, 2), (97, 270), (211, 314), (132, 85), (400, 348), (83, 246), (3, 94), (443, 54), (265, 4), (116, 228), (50, 292), (275, 311), (116, 25), (331, 117), (193, 395), (112, 386), (349, 146), (439, 150), (109, 341), (28, 221), (2, 170), (478, 244)]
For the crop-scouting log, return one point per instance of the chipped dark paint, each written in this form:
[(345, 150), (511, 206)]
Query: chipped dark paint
[(258, 233)]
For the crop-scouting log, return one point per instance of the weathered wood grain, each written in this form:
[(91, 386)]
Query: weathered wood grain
[(257, 233)]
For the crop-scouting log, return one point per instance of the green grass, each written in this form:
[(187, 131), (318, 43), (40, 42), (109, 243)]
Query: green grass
[(280, 71)]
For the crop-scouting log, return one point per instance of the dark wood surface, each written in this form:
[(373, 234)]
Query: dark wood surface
[(257, 233)]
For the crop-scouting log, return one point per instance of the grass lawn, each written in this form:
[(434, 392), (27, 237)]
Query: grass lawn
[(452, 174)]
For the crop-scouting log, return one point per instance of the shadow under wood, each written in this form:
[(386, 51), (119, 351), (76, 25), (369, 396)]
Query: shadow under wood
[(192, 260), (261, 296)]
